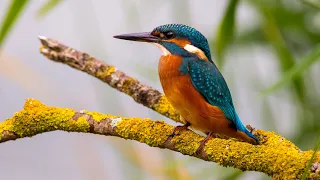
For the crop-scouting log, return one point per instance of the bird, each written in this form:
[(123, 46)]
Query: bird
[(192, 82)]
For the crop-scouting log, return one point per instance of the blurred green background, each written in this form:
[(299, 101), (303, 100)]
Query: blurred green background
[(266, 49)]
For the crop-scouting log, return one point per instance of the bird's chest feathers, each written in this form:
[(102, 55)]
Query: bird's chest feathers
[(175, 79), (172, 66)]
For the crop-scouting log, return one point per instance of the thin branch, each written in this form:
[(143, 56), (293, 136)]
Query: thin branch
[(276, 156), (142, 94)]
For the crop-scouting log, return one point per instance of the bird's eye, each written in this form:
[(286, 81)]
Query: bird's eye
[(169, 35)]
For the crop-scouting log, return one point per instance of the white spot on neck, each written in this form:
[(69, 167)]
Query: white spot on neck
[(164, 51), (192, 49)]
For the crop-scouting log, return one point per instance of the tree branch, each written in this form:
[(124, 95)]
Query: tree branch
[(142, 94), (276, 156)]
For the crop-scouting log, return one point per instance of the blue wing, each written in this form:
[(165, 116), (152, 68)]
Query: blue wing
[(207, 79), (209, 82)]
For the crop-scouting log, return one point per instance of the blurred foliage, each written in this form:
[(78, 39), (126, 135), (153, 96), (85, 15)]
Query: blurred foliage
[(47, 7), (235, 175), (316, 148), (30, 75), (15, 10), (291, 29), (12, 15), (225, 31), (314, 3), (306, 62), (275, 38)]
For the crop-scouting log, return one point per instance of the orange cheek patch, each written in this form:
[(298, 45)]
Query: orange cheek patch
[(179, 42)]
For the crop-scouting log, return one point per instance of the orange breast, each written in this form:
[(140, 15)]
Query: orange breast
[(186, 99)]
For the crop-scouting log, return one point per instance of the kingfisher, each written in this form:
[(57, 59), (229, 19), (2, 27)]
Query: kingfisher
[(192, 83)]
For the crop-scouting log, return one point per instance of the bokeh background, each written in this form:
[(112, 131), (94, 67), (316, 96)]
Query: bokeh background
[(267, 51)]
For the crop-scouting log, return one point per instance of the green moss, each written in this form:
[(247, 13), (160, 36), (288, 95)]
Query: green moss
[(110, 70), (37, 118), (164, 107), (104, 71), (267, 157), (186, 142), (127, 84), (153, 133)]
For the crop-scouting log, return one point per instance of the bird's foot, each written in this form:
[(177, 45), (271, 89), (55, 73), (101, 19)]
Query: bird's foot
[(250, 128), (180, 128), (203, 142)]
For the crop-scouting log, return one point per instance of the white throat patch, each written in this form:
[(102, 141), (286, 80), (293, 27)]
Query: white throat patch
[(192, 49), (164, 51)]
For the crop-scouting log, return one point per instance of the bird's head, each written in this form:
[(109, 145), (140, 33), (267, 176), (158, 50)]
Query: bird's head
[(176, 39)]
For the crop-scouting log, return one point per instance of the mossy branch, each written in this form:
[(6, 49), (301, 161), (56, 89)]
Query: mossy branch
[(276, 156)]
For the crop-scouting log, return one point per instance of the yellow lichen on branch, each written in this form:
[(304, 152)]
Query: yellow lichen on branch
[(276, 156), (37, 118), (164, 107)]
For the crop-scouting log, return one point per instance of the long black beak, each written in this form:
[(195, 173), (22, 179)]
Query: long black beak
[(143, 37)]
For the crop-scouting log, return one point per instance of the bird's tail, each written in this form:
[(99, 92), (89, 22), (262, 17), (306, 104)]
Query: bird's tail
[(243, 129)]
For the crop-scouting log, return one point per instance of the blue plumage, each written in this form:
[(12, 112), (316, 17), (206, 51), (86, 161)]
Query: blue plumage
[(189, 50), (208, 80), (205, 76), (175, 49)]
